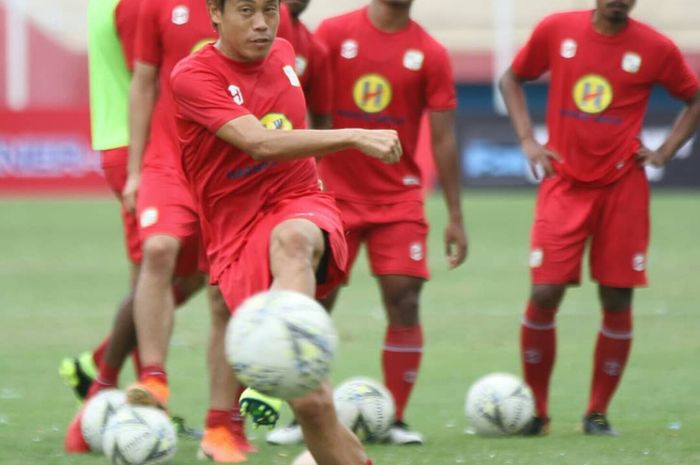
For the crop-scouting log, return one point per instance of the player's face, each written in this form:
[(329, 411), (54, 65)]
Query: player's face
[(615, 11), (297, 7), (247, 28)]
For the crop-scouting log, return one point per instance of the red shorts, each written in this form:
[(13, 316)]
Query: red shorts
[(396, 236), (614, 218), (250, 273), (165, 207), (114, 163)]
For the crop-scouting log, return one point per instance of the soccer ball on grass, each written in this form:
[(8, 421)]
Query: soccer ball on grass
[(97, 413), (366, 407), (499, 404), (139, 436)]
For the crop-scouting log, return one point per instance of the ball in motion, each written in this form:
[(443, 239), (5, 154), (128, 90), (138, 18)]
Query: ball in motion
[(281, 343), (366, 407), (499, 404), (139, 436), (97, 413)]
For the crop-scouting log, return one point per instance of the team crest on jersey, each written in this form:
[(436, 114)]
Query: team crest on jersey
[(631, 62), (276, 121), (413, 60), (349, 49), (300, 65), (236, 93), (292, 76), (372, 93), (592, 93), (180, 15), (568, 48)]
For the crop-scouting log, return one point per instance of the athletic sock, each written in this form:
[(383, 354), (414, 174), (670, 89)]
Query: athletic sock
[(156, 372), (99, 352), (538, 345), (403, 349), (610, 357), (218, 418), (107, 378)]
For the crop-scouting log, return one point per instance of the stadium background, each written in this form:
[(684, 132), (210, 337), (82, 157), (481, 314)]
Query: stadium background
[(44, 141)]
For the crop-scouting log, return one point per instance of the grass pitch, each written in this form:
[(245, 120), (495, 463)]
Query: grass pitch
[(62, 271)]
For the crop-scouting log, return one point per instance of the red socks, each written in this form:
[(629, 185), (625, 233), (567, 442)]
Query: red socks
[(156, 372), (538, 347), (99, 352), (218, 418), (403, 349), (610, 357)]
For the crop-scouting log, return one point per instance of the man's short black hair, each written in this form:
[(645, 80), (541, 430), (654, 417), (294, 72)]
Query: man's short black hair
[(221, 4)]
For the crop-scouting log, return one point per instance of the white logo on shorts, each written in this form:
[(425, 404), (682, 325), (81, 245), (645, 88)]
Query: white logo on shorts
[(415, 251), (536, 257), (180, 16), (639, 262), (149, 217), (349, 49)]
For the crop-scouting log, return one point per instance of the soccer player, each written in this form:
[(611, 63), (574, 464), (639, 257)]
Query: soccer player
[(603, 66), (387, 71), (312, 66), (241, 114)]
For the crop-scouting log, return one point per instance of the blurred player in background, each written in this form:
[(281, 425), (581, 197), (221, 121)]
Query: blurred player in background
[(603, 66), (256, 183), (387, 71)]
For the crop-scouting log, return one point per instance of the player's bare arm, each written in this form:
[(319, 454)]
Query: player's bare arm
[(514, 96), (684, 127), (142, 97), (444, 143), (249, 135)]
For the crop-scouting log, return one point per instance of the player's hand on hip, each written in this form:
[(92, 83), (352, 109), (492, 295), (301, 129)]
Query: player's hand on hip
[(651, 157), (382, 144), (455, 244), (540, 159), (130, 191)]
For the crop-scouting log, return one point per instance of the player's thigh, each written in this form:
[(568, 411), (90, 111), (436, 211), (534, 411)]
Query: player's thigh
[(621, 237), (399, 248), (559, 232)]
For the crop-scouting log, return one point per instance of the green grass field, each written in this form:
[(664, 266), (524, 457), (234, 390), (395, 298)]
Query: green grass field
[(62, 271)]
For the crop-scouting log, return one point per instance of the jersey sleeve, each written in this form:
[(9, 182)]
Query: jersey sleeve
[(204, 98), (532, 60), (125, 18), (440, 86), (148, 47), (319, 92), (677, 76)]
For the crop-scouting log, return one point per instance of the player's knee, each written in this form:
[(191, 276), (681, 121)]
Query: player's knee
[(292, 244), (615, 299), (547, 295), (314, 408), (403, 307), (160, 253)]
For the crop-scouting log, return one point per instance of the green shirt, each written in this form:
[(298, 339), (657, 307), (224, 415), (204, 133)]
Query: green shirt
[(109, 78)]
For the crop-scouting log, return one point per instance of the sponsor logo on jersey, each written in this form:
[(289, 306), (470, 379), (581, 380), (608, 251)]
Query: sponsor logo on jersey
[(536, 258), (349, 49), (631, 62), (180, 15), (592, 93), (276, 121), (415, 251), (201, 44), (148, 217), (639, 262), (372, 93), (292, 76), (300, 65), (236, 93), (413, 60), (568, 48)]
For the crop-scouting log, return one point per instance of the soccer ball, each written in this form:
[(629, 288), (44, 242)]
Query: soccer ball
[(96, 413), (366, 407), (139, 436), (281, 343), (499, 404)]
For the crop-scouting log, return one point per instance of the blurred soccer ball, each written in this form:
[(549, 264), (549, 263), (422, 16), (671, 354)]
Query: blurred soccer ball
[(96, 413), (139, 436), (281, 343), (366, 407), (499, 404)]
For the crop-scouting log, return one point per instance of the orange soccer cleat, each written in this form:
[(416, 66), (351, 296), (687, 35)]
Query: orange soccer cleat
[(149, 392), (219, 445)]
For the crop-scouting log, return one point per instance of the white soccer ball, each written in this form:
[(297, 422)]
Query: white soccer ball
[(96, 413), (499, 404), (281, 343), (139, 436), (366, 407)]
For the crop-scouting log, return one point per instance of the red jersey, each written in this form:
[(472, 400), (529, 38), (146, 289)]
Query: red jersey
[(125, 18), (312, 67), (232, 189), (168, 31), (599, 90), (382, 80)]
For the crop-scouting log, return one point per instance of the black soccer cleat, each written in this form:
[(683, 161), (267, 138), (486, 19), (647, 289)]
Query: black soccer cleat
[(596, 424), (538, 426)]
